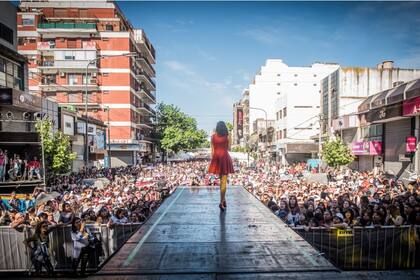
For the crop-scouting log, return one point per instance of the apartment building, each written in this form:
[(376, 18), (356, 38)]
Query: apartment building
[(78, 46), (289, 95)]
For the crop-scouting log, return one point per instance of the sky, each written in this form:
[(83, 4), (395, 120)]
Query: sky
[(208, 52)]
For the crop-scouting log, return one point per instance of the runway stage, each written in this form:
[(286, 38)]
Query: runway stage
[(188, 237)]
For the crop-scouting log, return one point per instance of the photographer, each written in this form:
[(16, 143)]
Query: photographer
[(39, 250), (83, 244)]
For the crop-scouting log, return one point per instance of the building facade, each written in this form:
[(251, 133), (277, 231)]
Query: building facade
[(297, 108), (344, 90), (388, 131), (78, 46)]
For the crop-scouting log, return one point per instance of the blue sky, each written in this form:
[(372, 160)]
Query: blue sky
[(208, 52)]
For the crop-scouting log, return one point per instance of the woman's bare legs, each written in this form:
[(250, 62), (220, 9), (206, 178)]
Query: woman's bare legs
[(223, 185)]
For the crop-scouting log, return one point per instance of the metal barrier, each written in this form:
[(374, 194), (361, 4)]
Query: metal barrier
[(15, 256), (359, 248)]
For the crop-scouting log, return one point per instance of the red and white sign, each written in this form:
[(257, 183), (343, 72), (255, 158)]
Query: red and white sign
[(369, 148), (89, 45), (411, 107), (410, 144), (43, 45)]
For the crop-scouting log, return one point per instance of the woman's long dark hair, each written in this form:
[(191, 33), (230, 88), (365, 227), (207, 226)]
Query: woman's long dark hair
[(73, 224), (221, 129)]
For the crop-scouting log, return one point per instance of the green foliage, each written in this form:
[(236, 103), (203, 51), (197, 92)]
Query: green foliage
[(176, 130), (239, 149), (229, 126), (335, 153), (58, 158)]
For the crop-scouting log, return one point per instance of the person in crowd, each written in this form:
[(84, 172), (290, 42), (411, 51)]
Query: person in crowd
[(3, 160), (34, 169), (39, 249), (82, 250)]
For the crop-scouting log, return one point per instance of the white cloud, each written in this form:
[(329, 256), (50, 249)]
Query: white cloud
[(265, 36)]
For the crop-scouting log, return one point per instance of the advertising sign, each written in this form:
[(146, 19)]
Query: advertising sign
[(411, 107), (370, 148), (410, 144), (240, 122), (68, 125)]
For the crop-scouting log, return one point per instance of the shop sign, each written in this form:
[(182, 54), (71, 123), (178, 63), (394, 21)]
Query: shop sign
[(344, 232), (403, 157), (411, 107), (370, 148), (384, 113), (68, 125), (410, 144)]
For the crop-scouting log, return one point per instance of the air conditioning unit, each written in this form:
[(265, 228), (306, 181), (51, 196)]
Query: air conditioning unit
[(93, 81), (62, 74), (94, 75), (91, 149)]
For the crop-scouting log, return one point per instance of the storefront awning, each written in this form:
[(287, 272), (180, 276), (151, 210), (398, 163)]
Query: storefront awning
[(391, 96), (413, 89)]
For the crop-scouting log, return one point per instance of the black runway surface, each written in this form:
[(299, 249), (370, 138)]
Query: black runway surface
[(188, 237)]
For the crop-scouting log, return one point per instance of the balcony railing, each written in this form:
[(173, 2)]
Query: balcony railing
[(146, 77), (79, 64), (67, 25), (148, 93)]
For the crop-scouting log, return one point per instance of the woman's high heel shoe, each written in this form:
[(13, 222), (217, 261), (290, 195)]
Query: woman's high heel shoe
[(224, 204), (221, 207)]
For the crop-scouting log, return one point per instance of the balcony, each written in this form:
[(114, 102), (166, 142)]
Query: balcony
[(142, 63), (50, 30), (146, 79), (145, 45), (147, 96), (66, 64), (50, 47), (145, 110), (68, 88)]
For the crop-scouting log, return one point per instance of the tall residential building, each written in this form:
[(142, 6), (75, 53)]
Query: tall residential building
[(289, 95), (60, 39)]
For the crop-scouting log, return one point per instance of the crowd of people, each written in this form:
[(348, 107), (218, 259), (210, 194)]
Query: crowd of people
[(349, 199), (16, 168), (131, 194)]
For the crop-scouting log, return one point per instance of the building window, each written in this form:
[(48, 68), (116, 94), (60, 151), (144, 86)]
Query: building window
[(314, 85), (303, 106), (28, 20), (109, 27), (296, 75), (314, 75), (295, 84), (105, 74), (278, 93), (278, 75), (278, 84), (11, 74), (284, 112), (6, 33), (284, 133)]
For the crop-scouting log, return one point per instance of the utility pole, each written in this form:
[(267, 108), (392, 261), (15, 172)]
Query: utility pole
[(321, 120)]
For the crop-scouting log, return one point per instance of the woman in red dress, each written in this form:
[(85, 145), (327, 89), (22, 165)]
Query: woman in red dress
[(221, 163)]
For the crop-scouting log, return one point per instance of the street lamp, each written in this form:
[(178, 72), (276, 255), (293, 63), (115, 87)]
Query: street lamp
[(92, 61)]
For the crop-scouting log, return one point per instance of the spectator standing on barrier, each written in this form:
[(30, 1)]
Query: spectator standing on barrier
[(39, 250), (81, 250), (3, 161)]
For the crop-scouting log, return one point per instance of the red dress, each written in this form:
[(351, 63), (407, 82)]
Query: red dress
[(221, 163)]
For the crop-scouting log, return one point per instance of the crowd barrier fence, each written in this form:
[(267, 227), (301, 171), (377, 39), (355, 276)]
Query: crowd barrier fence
[(364, 248), (15, 255)]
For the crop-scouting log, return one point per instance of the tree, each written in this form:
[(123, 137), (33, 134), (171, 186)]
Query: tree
[(335, 153), (229, 126), (176, 130), (58, 158)]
